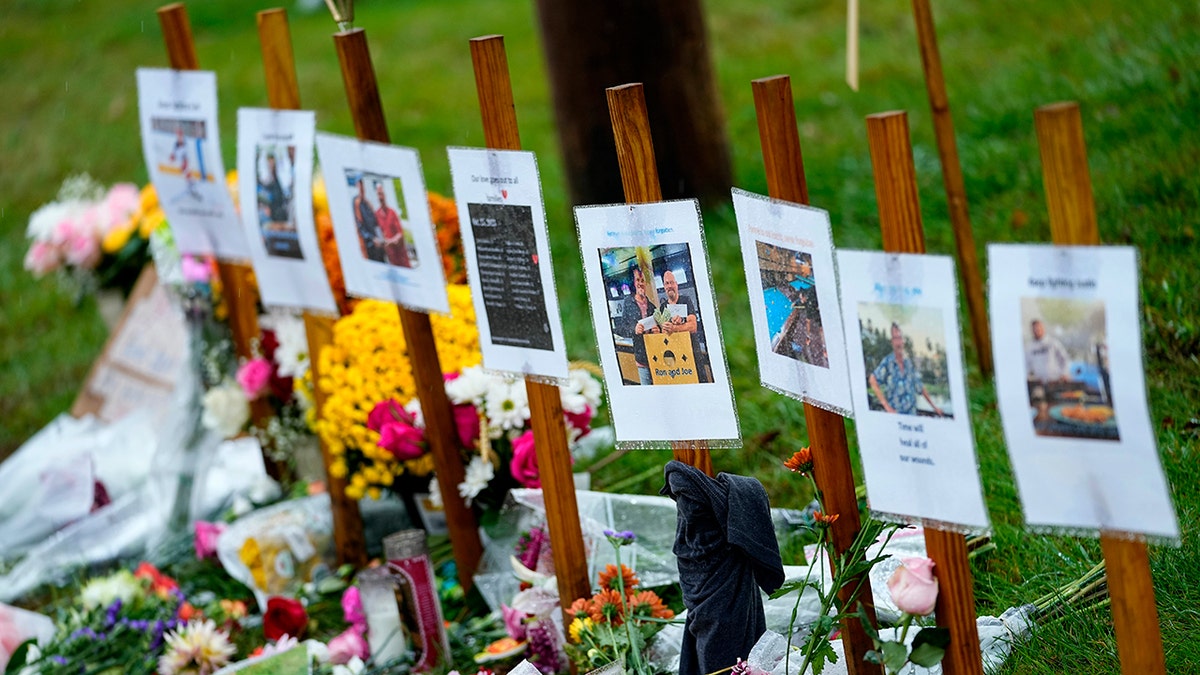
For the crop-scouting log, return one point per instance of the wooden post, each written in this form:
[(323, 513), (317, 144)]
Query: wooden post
[(826, 430), (900, 221), (362, 93), (237, 279), (494, 88), (1073, 221), (952, 178), (283, 93), (639, 177)]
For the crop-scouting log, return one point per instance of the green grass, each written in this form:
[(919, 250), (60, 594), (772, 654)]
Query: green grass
[(70, 106)]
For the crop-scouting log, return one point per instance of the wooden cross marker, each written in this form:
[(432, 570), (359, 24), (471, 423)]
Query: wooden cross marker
[(639, 177), (494, 87), (900, 221), (826, 430), (237, 279), (952, 178), (283, 93), (362, 93), (1073, 221)]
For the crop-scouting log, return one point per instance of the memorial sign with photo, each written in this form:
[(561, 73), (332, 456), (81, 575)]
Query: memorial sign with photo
[(381, 222), (906, 377), (182, 147), (503, 225), (1067, 341), (656, 324), (275, 167), (788, 255)]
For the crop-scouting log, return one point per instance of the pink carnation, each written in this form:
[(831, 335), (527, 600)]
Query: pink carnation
[(254, 376), (42, 257), (83, 249), (121, 202), (524, 466), (349, 644), (206, 538)]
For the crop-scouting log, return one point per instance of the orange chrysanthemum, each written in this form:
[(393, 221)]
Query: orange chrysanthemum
[(647, 603), (801, 461), (581, 608), (608, 579), (825, 519), (607, 607)]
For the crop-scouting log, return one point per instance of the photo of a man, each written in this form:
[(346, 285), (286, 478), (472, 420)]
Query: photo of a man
[(392, 230), (274, 182), (905, 358), (380, 227)]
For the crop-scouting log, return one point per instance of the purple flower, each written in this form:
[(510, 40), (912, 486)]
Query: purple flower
[(623, 538), (543, 648), (110, 614)]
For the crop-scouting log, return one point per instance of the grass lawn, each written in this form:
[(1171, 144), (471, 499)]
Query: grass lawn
[(70, 106)]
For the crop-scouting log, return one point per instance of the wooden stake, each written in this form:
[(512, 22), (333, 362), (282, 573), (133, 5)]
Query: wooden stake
[(494, 87), (237, 279), (952, 178), (283, 93), (826, 430), (1073, 221), (639, 177), (362, 93), (900, 221)]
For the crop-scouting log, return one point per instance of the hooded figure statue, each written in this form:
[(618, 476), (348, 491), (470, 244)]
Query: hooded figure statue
[(726, 548)]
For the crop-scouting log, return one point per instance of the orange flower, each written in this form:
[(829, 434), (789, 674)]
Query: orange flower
[(187, 612), (647, 603), (444, 213), (606, 606), (581, 608), (825, 519), (608, 578), (800, 462), (160, 584)]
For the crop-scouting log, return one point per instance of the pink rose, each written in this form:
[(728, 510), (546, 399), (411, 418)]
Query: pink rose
[(42, 257), (195, 271), (120, 203), (352, 609), (254, 376), (402, 440), (913, 587), (466, 422), (514, 622), (206, 538), (386, 412), (349, 644), (83, 250), (524, 466)]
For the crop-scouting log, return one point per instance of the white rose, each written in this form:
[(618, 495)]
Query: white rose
[(226, 409)]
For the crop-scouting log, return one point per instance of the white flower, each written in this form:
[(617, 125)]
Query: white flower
[(469, 387), (196, 648), (283, 644), (44, 221), (506, 406), (319, 651), (581, 392), (226, 409), (102, 592), (435, 493), (353, 667), (479, 473), (413, 408), (292, 353), (241, 506)]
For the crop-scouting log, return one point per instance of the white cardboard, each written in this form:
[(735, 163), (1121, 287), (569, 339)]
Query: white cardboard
[(276, 206), (658, 413), (182, 147), (917, 465), (1078, 467), (509, 268), (421, 284), (788, 254)]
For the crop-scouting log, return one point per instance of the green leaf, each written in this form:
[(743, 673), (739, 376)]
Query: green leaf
[(895, 654), (929, 646), (17, 661), (873, 656), (791, 586)]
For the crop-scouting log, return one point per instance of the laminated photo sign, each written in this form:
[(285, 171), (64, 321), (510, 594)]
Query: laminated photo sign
[(182, 147), (1067, 342), (906, 376), (503, 226), (381, 222), (656, 324), (788, 254), (275, 170)]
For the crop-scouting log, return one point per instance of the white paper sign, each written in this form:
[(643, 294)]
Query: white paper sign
[(1067, 343), (627, 251), (381, 222), (182, 147), (788, 254), (503, 226), (906, 376), (275, 165)]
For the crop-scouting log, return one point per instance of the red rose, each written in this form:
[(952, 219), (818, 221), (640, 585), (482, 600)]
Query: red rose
[(284, 616)]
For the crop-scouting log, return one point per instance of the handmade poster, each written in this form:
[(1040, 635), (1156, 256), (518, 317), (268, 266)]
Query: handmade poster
[(656, 324), (1066, 337), (381, 222), (503, 226), (788, 254), (182, 147), (275, 166), (906, 376)]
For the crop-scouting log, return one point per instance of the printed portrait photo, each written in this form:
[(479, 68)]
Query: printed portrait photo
[(1067, 369), (378, 219), (274, 167), (790, 296), (654, 315), (180, 149), (904, 352)]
